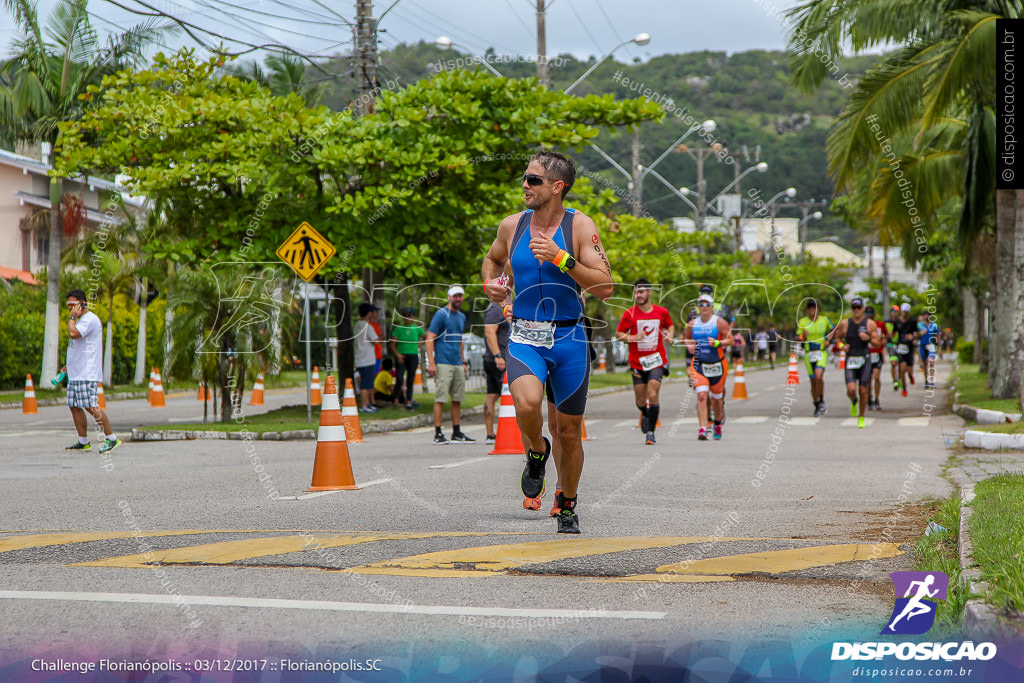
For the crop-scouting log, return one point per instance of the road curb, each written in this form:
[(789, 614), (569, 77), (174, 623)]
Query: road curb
[(984, 416), (991, 441), (979, 620), (368, 427), (63, 401)]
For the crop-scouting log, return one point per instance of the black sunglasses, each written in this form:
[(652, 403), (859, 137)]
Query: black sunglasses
[(533, 180), (856, 307)]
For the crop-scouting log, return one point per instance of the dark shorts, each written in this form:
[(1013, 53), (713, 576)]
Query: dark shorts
[(861, 375), (877, 364), (366, 377), (645, 376), (565, 367), (907, 358), (773, 346), (493, 375)]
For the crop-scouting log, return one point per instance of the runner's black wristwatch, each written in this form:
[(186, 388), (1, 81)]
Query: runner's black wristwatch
[(570, 263)]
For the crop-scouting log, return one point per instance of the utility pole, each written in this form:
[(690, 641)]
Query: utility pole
[(366, 55), (700, 154), (542, 49), (638, 181)]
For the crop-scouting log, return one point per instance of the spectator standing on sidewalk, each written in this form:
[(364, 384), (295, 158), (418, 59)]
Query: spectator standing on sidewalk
[(446, 362), (496, 330), (85, 372), (405, 345), (365, 359)]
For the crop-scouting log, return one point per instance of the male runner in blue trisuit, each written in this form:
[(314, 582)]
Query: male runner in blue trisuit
[(555, 254)]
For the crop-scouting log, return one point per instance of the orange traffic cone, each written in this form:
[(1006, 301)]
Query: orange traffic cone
[(201, 396), (842, 358), (418, 382), (583, 423), (28, 406), (332, 468), (739, 386), (152, 377), (601, 365), (508, 440), (794, 375), (257, 391), (101, 400), (314, 389), (350, 414), (158, 392)]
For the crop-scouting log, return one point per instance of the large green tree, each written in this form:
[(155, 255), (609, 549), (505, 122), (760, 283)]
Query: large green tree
[(48, 68)]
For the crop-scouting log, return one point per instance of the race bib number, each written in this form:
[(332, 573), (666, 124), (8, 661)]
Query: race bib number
[(855, 362), (533, 332), (651, 361), (710, 370), (903, 349), (876, 357), (814, 356), (931, 348)]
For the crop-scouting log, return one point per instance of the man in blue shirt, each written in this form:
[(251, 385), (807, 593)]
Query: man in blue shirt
[(446, 362), (929, 346)]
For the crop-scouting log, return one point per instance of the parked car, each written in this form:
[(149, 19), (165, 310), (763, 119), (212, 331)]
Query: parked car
[(620, 350), (475, 347)]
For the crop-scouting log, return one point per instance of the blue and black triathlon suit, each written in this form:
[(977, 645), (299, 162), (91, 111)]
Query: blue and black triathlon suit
[(904, 331), (544, 294), (858, 364)]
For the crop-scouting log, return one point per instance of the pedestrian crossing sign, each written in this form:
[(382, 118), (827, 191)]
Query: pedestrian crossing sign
[(306, 251)]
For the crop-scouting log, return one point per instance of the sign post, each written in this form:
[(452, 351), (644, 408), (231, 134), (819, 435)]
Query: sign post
[(306, 251)]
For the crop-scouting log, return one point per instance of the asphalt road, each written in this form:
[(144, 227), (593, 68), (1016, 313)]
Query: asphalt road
[(434, 557)]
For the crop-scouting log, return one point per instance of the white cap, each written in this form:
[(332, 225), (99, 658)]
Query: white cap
[(905, 307), (706, 297), (455, 289)]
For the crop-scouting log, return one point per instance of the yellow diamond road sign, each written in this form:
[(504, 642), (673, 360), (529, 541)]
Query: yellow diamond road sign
[(306, 251)]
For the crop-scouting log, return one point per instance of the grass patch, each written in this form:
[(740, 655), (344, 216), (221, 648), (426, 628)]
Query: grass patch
[(974, 390), (938, 552), (620, 378), (997, 534), (293, 417), (1014, 428)]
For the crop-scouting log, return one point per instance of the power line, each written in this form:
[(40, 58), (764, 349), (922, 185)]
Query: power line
[(584, 25), (522, 23)]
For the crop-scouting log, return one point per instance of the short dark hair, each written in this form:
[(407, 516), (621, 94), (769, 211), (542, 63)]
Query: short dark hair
[(77, 294), (364, 309), (557, 166), (642, 282), (386, 364)]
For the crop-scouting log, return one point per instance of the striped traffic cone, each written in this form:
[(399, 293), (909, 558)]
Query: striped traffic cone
[(158, 392), (332, 468), (418, 382), (201, 396), (794, 375), (28, 406), (101, 400), (314, 389), (601, 364), (350, 414), (842, 358), (739, 387), (152, 378), (508, 440), (257, 391)]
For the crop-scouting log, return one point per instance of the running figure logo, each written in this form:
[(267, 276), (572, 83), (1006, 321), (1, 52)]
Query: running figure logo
[(914, 611)]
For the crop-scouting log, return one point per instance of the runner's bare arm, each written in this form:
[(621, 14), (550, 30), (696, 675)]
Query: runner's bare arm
[(875, 335), (593, 271), (497, 259), (725, 329)]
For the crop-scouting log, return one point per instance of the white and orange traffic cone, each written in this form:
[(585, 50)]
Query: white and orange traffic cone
[(332, 467), (158, 392), (201, 396), (418, 382), (350, 414), (314, 389), (257, 391), (101, 400), (842, 358), (583, 426), (28, 406), (152, 378), (601, 364), (739, 386), (794, 375), (508, 440)]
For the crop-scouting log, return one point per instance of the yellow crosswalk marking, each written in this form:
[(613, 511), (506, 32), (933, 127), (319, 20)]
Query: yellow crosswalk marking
[(768, 562), (226, 552), (493, 559)]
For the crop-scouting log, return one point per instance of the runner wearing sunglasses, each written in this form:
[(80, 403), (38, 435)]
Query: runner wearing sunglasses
[(555, 255), (704, 337), (859, 333)]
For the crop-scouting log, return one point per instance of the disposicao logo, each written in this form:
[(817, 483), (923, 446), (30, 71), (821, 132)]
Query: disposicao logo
[(916, 593)]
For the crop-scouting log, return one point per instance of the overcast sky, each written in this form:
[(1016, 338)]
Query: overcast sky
[(580, 27)]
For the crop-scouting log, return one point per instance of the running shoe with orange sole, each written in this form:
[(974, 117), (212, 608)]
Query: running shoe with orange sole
[(554, 508), (532, 503)]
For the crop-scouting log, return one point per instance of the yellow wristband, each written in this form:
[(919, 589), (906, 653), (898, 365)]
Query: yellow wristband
[(561, 258)]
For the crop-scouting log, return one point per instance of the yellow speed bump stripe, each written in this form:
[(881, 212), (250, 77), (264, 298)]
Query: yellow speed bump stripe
[(9, 543), (226, 552), (491, 560), (769, 562)]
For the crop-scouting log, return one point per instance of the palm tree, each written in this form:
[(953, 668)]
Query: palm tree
[(933, 102), (41, 86), (282, 75)]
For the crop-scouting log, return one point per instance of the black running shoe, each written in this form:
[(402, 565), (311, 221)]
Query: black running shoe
[(439, 440), (79, 446), (568, 522), (532, 481), (650, 439), (824, 410), (817, 409), (644, 427), (461, 438)]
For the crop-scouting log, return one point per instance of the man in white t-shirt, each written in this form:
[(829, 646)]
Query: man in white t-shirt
[(366, 340), (85, 372)]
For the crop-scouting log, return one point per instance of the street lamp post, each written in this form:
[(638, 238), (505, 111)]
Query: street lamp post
[(803, 233), (788, 192), (446, 43), (639, 39)]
